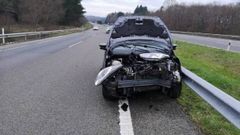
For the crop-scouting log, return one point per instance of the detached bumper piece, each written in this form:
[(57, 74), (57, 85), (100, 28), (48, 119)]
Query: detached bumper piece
[(143, 83)]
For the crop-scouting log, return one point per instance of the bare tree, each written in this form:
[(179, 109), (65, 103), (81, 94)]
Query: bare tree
[(41, 11), (52, 11), (212, 18)]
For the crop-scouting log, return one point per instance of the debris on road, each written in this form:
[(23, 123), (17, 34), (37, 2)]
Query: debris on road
[(124, 107)]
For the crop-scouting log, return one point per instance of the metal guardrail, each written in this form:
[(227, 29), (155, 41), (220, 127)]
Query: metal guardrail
[(26, 34), (208, 35), (225, 104)]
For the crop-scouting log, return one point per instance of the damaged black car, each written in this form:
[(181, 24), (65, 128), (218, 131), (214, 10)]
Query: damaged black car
[(139, 56)]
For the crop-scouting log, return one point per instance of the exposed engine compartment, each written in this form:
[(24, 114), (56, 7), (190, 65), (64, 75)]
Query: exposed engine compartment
[(137, 68)]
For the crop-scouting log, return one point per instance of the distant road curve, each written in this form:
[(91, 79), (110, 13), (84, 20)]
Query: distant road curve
[(209, 41)]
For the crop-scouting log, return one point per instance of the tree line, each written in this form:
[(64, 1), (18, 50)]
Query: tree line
[(220, 19), (139, 10), (41, 12), (211, 18), (112, 17)]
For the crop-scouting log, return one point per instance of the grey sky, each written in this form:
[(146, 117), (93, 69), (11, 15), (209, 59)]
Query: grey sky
[(103, 7)]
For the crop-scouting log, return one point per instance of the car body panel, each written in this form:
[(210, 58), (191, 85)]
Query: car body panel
[(106, 72)]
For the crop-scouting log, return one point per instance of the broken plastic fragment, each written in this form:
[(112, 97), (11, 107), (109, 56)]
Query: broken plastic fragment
[(124, 107)]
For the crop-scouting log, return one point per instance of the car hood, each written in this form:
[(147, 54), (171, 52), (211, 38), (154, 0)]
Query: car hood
[(138, 26)]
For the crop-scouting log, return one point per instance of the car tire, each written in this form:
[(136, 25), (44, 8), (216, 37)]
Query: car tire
[(107, 94), (175, 91)]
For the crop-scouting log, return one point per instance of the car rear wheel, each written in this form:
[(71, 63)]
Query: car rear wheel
[(175, 91)]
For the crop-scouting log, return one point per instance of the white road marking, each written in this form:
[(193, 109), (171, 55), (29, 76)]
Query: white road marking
[(205, 45), (74, 44), (126, 127), (16, 47), (38, 41)]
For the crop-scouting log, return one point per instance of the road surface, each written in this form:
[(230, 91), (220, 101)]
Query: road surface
[(47, 88), (209, 41)]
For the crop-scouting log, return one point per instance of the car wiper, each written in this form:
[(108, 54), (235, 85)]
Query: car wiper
[(125, 43), (162, 49), (155, 47), (140, 49)]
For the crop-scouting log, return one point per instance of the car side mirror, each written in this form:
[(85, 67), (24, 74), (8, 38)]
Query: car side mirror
[(174, 46), (103, 46)]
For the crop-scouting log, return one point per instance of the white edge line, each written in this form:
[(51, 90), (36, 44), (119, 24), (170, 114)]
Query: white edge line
[(9, 49), (14, 48), (74, 44), (209, 46), (126, 126), (29, 43)]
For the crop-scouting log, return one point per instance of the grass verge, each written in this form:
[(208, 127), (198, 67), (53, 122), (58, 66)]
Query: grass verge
[(28, 28), (220, 68), (74, 30)]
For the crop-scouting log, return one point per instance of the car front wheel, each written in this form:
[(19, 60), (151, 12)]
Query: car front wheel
[(108, 93), (175, 90)]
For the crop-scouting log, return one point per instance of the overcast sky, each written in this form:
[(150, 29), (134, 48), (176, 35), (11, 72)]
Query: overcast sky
[(103, 7)]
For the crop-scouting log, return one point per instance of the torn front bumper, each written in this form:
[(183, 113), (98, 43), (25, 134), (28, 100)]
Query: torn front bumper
[(143, 83)]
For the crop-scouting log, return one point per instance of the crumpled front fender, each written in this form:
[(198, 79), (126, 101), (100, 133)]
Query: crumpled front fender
[(106, 72)]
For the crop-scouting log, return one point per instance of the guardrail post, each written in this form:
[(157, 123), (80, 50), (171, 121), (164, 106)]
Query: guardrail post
[(25, 37), (229, 46), (3, 37)]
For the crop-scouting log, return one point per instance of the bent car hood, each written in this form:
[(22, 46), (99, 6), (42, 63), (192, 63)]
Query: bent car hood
[(138, 26)]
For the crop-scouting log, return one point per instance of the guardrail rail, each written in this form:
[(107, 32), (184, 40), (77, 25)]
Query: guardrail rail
[(4, 36), (225, 104), (235, 37)]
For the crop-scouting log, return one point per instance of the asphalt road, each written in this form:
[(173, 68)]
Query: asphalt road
[(209, 41), (47, 88)]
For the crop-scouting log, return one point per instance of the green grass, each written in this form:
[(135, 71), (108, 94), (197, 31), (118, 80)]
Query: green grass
[(220, 68)]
